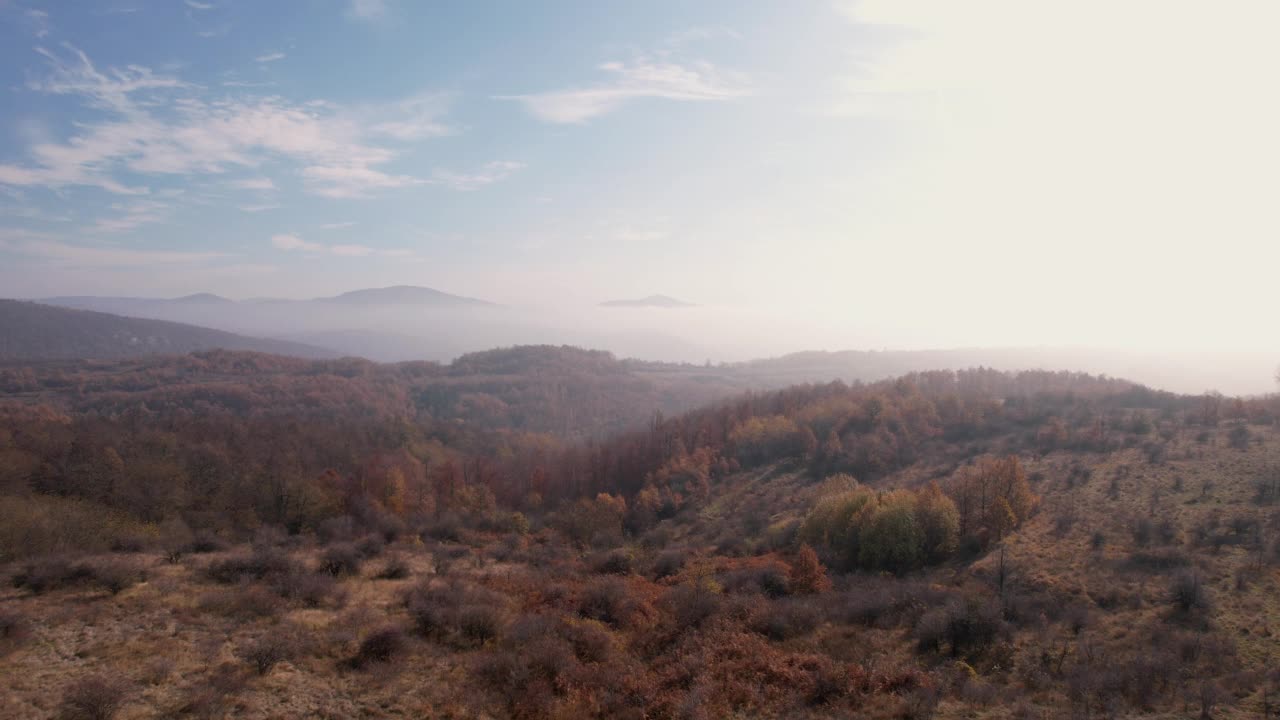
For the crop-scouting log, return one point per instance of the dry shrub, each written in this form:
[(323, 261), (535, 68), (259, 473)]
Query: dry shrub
[(741, 674), (210, 696), (96, 697), (343, 559), (14, 630), (312, 590), (117, 576), (1188, 595), (379, 646), (258, 565), (52, 574), (669, 562), (619, 561), (962, 628), (608, 600), (244, 601), (59, 573), (786, 619), (204, 542), (693, 603), (263, 653), (457, 614), (395, 568), (545, 662), (370, 546)]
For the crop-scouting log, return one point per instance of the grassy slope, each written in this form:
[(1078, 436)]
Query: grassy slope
[(168, 638)]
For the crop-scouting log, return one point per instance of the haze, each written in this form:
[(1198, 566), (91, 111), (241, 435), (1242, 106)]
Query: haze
[(863, 175)]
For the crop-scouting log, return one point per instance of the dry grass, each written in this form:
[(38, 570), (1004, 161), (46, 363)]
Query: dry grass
[(1068, 600)]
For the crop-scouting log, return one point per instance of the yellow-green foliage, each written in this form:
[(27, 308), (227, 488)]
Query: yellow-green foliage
[(41, 524), (892, 531), (890, 537), (764, 438)]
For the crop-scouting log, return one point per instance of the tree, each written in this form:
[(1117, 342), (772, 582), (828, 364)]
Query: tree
[(940, 522), (892, 539), (992, 498), (808, 575)]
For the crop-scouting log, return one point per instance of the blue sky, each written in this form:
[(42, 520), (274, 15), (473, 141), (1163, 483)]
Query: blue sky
[(953, 172), (293, 147)]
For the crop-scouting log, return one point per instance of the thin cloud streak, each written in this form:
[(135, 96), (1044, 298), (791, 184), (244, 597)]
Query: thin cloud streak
[(644, 78)]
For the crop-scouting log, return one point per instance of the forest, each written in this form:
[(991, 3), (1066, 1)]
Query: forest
[(535, 533)]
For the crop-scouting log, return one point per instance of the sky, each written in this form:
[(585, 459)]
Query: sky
[(899, 173)]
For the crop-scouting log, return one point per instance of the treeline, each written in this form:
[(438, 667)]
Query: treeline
[(232, 441)]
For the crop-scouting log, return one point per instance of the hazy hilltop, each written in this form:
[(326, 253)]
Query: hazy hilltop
[(31, 331), (652, 301), (405, 323), (405, 295)]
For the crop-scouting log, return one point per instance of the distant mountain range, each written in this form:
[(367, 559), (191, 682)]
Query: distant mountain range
[(399, 295), (31, 331), (653, 301)]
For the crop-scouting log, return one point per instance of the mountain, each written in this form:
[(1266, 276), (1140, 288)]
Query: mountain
[(202, 298), (31, 331), (405, 295), (654, 301)]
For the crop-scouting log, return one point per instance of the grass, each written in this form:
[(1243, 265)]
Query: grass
[(221, 661)]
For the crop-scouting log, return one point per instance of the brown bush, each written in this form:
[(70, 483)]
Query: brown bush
[(52, 574), (786, 619), (343, 559), (59, 573), (14, 630), (963, 628), (458, 614), (258, 565), (96, 697), (1187, 593), (395, 568), (370, 546), (115, 577), (379, 646), (669, 562), (619, 561), (204, 542), (242, 601), (608, 601), (310, 589), (263, 653)]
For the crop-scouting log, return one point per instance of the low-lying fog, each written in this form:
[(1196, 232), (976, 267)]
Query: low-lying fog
[(694, 334)]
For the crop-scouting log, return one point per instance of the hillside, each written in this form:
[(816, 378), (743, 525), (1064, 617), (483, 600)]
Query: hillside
[(1014, 545), (31, 331)]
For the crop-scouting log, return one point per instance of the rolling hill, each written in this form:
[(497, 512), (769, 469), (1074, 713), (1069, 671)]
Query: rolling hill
[(32, 331)]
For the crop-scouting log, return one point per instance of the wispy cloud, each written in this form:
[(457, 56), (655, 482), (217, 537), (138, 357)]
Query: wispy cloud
[(336, 226), (159, 125), (132, 215), (293, 242), (487, 175), (367, 9), (417, 118), (198, 5), (54, 249), (258, 183), (644, 78), (38, 21), (270, 57), (259, 208)]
